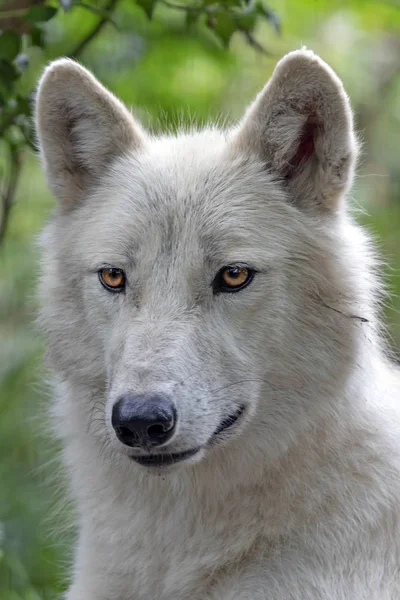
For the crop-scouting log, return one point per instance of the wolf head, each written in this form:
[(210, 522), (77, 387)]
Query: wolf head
[(201, 287)]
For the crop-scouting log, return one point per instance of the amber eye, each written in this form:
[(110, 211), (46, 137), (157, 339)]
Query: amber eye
[(112, 279), (233, 278)]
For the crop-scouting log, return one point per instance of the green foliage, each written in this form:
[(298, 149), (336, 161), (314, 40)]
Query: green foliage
[(224, 18), (171, 68), (24, 28), (148, 6), (40, 14), (10, 45)]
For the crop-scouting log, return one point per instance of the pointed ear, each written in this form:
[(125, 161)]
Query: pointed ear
[(301, 127), (81, 127)]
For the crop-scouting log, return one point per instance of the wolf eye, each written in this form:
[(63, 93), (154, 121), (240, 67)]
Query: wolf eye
[(112, 279), (232, 278)]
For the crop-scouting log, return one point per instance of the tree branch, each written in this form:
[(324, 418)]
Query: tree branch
[(7, 198), (79, 49), (10, 14), (256, 45)]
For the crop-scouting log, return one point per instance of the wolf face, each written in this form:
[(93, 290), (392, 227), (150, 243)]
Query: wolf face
[(201, 284)]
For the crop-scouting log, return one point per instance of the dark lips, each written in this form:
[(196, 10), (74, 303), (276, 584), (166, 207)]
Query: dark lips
[(165, 460), (229, 421)]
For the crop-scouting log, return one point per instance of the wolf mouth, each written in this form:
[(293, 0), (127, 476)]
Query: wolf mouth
[(229, 421), (164, 460)]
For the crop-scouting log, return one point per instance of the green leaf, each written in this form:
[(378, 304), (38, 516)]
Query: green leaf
[(192, 16), (224, 26), (39, 14), (271, 16), (24, 105), (246, 21), (8, 73), (15, 136), (37, 37), (10, 45), (148, 6), (4, 94)]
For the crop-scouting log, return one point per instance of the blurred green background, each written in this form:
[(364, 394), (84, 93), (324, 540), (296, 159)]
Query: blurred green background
[(169, 75)]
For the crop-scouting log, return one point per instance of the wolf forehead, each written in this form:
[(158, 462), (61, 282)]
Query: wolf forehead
[(185, 188), (221, 188)]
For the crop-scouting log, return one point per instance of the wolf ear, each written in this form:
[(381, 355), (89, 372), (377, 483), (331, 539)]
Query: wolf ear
[(301, 127), (81, 127)]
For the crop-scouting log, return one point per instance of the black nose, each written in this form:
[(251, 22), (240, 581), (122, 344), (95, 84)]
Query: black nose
[(144, 421)]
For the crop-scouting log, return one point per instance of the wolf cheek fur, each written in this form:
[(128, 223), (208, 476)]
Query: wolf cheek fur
[(285, 482)]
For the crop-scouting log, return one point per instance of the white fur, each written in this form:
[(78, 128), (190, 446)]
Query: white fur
[(300, 499)]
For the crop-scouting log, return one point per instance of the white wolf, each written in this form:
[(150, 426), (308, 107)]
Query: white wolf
[(229, 415)]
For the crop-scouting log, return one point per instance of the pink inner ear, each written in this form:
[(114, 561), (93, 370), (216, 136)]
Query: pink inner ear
[(305, 147)]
